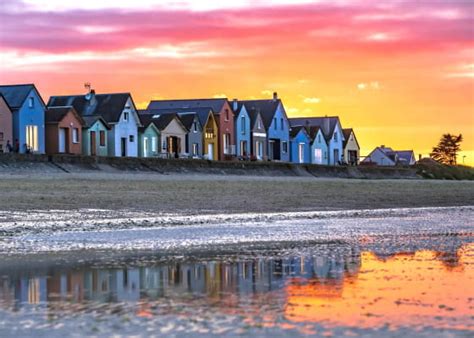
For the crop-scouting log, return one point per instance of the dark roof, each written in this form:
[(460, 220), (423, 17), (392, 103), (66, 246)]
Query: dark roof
[(347, 134), (90, 120), (187, 119), (56, 114), (15, 95), (202, 113), (295, 130), (215, 104), (326, 123), (266, 108), (404, 156), (312, 132), (160, 121), (109, 106)]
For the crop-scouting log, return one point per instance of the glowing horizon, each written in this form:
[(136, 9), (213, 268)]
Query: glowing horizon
[(400, 74)]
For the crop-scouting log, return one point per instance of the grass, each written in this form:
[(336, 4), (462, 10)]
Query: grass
[(434, 170), (217, 194)]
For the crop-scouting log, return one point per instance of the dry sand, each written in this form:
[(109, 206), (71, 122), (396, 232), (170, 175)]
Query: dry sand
[(193, 194)]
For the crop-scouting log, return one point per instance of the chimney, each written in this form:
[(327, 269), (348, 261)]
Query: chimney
[(419, 157), (382, 146), (275, 96), (235, 105)]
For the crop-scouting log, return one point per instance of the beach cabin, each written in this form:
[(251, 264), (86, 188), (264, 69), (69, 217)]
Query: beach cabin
[(276, 125), (94, 136), (28, 109), (242, 130), (148, 138), (194, 145), (332, 131), (63, 131), (351, 147), (300, 145), (118, 111), (172, 134), (6, 126), (319, 148), (223, 115), (258, 137), (386, 156)]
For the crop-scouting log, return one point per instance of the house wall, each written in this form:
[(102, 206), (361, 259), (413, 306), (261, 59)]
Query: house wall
[(30, 116), (319, 143), (69, 122), (211, 128), (225, 126), (301, 137), (149, 133), (259, 134), (86, 136), (279, 132), (6, 126), (351, 145), (174, 129), (125, 129), (336, 143), (242, 132), (379, 157), (195, 137)]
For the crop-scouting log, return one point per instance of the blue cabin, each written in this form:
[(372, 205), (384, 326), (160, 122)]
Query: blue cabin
[(319, 148), (242, 130), (28, 110), (332, 131), (276, 124), (300, 145)]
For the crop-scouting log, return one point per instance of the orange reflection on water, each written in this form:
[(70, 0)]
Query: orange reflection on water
[(420, 289)]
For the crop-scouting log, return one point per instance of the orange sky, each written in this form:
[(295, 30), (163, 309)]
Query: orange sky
[(400, 73)]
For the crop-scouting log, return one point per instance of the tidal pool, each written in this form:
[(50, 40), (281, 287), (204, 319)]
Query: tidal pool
[(338, 289)]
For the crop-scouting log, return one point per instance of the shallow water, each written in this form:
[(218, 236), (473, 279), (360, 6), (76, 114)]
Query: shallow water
[(410, 275)]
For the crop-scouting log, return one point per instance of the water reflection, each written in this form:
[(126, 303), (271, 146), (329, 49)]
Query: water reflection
[(337, 286)]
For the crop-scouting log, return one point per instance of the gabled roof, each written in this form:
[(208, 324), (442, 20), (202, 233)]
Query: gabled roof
[(187, 119), (90, 120), (202, 113), (15, 95), (109, 106), (313, 132), (326, 123), (296, 130), (253, 114), (347, 134), (215, 104), (56, 114), (160, 121), (266, 108)]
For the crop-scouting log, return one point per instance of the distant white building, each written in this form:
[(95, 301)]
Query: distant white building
[(386, 156)]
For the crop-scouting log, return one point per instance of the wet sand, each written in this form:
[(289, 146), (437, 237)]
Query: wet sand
[(210, 194)]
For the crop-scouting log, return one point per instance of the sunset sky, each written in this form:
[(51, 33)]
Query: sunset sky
[(400, 73)]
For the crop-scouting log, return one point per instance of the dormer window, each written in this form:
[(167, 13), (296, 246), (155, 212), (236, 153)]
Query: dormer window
[(125, 116), (31, 102), (335, 136)]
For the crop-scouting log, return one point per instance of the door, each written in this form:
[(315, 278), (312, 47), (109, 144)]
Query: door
[(123, 146), (336, 156), (93, 143), (210, 151), (62, 140), (145, 147), (301, 152)]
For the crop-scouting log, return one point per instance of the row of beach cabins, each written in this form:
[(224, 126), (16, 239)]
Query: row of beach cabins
[(214, 129)]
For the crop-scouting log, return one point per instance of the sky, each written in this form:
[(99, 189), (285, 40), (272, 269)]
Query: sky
[(401, 73)]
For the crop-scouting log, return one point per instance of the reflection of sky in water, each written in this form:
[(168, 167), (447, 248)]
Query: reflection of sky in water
[(305, 291)]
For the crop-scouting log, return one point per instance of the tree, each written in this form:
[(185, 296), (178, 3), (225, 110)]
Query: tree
[(447, 149)]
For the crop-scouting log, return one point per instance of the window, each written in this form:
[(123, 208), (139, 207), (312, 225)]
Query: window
[(32, 138), (242, 124), (319, 138), (226, 143), (281, 124), (125, 116), (75, 135), (131, 138), (195, 149), (195, 127), (102, 138), (285, 147), (259, 124), (227, 114), (335, 136), (325, 155), (31, 102), (154, 144), (275, 123), (1, 136)]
